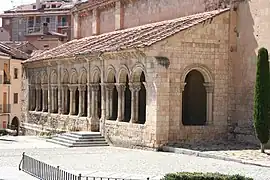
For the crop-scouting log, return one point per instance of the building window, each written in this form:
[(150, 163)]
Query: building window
[(15, 98), (15, 73), (48, 20)]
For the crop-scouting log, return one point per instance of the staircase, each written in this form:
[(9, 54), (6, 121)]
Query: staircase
[(79, 139)]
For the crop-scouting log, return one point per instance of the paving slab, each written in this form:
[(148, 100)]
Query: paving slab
[(116, 161)]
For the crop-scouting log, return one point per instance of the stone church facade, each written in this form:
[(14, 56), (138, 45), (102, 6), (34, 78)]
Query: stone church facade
[(167, 80)]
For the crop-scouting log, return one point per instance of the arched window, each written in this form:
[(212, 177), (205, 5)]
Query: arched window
[(194, 99)]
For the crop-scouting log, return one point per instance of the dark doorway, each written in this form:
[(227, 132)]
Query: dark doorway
[(142, 101), (85, 102), (127, 102), (41, 100), (68, 102), (15, 125), (114, 102), (194, 100), (76, 102)]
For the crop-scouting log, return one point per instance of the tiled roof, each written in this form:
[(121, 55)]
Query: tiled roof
[(13, 52), (137, 37)]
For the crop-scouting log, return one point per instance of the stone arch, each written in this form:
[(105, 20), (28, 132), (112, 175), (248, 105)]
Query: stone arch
[(139, 82), (38, 78), (32, 79), (137, 71), (197, 95), (74, 77), (83, 76), (54, 77), (15, 125), (111, 74), (123, 74), (208, 78), (96, 75), (44, 78), (65, 78)]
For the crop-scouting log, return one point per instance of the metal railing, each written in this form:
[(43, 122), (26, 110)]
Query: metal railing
[(63, 24), (31, 30), (45, 171)]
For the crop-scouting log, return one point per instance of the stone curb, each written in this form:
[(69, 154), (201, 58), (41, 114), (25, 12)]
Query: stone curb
[(207, 155)]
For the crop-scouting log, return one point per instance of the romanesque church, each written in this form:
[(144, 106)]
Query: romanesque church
[(150, 72)]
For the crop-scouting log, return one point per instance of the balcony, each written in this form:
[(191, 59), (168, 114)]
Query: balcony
[(62, 24), (5, 108), (34, 30)]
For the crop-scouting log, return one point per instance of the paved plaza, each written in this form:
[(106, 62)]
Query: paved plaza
[(112, 161)]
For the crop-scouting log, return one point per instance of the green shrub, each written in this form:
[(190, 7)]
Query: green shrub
[(3, 132), (202, 176)]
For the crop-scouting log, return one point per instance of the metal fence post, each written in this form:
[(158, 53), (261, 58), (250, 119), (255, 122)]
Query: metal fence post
[(57, 173), (21, 163)]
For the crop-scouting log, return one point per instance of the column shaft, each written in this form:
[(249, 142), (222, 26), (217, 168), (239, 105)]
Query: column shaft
[(89, 103), (135, 88), (121, 101)]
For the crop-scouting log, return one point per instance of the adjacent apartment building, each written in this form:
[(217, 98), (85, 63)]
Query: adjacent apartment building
[(45, 23), (10, 85)]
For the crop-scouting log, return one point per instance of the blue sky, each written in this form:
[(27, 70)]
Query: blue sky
[(6, 4)]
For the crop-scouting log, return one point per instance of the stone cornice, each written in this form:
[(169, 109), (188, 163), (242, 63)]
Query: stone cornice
[(83, 58)]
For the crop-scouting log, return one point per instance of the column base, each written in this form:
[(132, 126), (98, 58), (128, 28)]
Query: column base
[(94, 124)]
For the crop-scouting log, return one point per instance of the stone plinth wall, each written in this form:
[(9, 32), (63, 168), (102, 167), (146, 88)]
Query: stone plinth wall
[(129, 135)]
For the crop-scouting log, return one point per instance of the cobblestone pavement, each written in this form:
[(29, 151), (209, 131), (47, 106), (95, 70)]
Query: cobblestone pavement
[(240, 151), (113, 160)]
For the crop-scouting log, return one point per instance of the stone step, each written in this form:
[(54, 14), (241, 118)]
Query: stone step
[(85, 134), (76, 145), (77, 142), (72, 138), (75, 136), (79, 139)]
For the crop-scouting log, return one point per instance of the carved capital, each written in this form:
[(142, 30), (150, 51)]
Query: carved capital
[(182, 87), (209, 87), (109, 86), (38, 87), (54, 86), (44, 87), (121, 87), (135, 87), (95, 87), (82, 87), (73, 87)]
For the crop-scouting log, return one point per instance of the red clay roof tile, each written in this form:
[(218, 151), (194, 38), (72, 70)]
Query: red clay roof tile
[(136, 37)]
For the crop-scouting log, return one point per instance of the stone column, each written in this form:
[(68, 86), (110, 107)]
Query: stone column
[(109, 95), (54, 99), (72, 89), (31, 97), (82, 89), (209, 87), (89, 98), (95, 89), (134, 88), (182, 88), (38, 88), (121, 87), (63, 99), (44, 97)]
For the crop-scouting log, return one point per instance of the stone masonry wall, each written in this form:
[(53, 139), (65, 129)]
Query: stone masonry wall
[(204, 45), (140, 12), (252, 34)]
